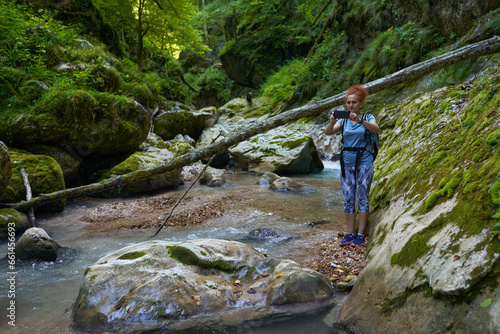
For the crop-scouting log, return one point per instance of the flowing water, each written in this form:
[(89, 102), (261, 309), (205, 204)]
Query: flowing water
[(45, 291)]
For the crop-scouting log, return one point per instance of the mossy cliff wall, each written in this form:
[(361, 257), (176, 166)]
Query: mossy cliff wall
[(434, 229)]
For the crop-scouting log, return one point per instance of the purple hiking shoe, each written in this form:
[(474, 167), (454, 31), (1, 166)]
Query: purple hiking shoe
[(348, 239)]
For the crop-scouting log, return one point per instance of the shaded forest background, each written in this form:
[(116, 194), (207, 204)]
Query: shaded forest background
[(204, 53)]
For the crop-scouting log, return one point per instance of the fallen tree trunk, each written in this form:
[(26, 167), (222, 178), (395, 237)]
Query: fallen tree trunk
[(486, 47)]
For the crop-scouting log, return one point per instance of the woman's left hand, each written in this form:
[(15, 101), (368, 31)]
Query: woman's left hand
[(354, 117)]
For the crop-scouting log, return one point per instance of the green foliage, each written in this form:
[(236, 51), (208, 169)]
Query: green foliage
[(214, 81), (282, 85), (397, 48), (263, 34)]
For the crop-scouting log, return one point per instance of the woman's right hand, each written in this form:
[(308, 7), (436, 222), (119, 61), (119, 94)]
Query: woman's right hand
[(333, 120)]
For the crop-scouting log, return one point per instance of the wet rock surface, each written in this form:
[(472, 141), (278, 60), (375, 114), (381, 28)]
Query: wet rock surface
[(157, 285), (36, 244)]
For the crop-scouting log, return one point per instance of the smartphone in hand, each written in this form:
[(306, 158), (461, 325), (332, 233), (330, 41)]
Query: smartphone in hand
[(341, 113)]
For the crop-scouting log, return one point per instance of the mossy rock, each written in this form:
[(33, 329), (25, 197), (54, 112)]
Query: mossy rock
[(154, 153), (5, 169), (86, 123), (44, 174), (185, 122), (18, 219), (104, 79), (69, 164)]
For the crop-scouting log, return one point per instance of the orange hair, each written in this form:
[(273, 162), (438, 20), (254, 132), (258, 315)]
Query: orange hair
[(358, 90)]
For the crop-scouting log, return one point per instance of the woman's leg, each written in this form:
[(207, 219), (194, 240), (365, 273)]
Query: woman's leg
[(350, 219), (349, 192), (363, 184)]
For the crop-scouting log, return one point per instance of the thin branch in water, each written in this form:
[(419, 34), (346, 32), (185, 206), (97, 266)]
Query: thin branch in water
[(183, 195)]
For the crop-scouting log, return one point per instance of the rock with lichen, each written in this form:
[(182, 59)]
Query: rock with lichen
[(280, 150), (166, 285), (433, 258)]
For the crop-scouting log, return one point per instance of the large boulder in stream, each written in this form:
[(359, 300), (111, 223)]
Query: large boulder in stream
[(5, 169), (154, 152), (166, 285), (280, 150)]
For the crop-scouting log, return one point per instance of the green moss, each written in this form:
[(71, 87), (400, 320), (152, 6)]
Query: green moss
[(437, 157), (188, 257), (471, 187), (417, 245), (45, 175), (391, 305), (443, 182), (480, 155), (86, 272), (132, 255), (291, 144), (494, 191)]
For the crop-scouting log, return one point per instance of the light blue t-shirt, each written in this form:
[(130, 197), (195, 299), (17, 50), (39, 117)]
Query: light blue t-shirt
[(354, 136)]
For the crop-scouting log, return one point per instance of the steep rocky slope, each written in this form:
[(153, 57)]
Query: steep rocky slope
[(434, 230)]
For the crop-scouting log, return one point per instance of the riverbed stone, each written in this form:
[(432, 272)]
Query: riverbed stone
[(159, 285), (5, 169), (213, 177), (36, 244), (267, 178), (11, 217), (284, 184)]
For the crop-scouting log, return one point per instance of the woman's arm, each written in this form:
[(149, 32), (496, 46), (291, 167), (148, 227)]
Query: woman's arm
[(370, 126), (333, 127)]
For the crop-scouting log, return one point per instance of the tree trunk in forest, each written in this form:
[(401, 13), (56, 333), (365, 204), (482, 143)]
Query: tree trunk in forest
[(140, 34), (482, 48)]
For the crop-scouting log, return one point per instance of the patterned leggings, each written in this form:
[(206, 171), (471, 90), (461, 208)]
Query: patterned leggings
[(360, 184)]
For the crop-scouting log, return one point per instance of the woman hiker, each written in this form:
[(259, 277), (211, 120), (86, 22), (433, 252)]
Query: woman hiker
[(356, 162)]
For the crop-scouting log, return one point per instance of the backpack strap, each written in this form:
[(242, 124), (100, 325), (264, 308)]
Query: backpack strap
[(358, 150), (342, 167)]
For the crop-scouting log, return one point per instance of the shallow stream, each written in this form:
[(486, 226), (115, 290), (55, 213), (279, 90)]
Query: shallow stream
[(45, 291)]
